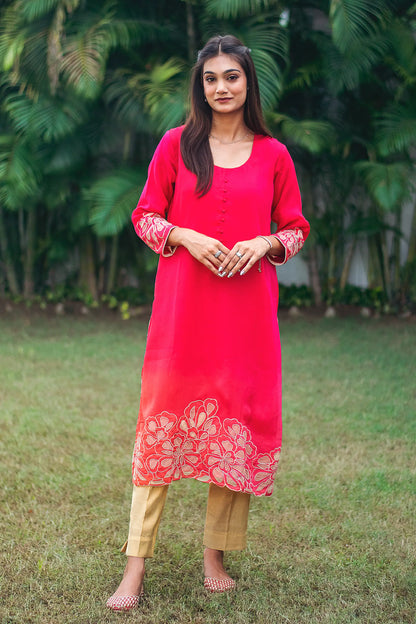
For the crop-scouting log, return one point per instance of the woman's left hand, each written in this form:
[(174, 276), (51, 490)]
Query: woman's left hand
[(243, 256)]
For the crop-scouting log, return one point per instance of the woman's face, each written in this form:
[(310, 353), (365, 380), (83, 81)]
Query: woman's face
[(225, 84)]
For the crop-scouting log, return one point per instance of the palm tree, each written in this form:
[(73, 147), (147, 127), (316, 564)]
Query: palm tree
[(88, 88), (335, 90), (55, 58)]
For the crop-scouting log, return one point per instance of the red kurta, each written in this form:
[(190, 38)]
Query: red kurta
[(211, 381)]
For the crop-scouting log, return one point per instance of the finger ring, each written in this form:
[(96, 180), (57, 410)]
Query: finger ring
[(217, 255), (239, 254)]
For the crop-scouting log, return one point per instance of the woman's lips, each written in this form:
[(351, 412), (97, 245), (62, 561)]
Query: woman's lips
[(223, 100)]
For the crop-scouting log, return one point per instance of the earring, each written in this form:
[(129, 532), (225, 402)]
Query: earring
[(205, 99)]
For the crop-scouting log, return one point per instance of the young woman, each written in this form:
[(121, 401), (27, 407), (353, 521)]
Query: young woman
[(210, 404)]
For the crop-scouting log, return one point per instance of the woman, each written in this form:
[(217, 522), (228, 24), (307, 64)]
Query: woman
[(211, 382)]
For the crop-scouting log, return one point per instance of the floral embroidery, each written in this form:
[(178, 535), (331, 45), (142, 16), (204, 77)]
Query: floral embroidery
[(292, 241), (199, 444), (154, 231)]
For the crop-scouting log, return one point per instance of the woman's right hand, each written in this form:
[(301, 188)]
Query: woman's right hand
[(203, 248)]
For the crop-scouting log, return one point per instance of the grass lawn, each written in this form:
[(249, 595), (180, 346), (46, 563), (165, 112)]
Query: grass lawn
[(336, 543)]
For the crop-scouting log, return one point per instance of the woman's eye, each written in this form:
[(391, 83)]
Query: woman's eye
[(232, 77)]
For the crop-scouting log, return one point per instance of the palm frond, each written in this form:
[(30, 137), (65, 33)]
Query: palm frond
[(312, 135), (88, 43), (24, 49), (38, 8), (123, 97), (46, 118), (19, 171), (111, 201), (267, 36), (234, 8), (269, 76), (162, 91), (127, 32), (344, 71), (305, 76), (34, 62), (83, 63), (161, 80), (354, 20), (403, 50), (170, 111), (396, 128), (86, 51), (68, 155), (388, 184), (12, 37), (369, 225)]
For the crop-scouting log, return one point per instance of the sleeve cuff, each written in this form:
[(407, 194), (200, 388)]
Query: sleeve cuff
[(292, 241), (168, 250), (154, 230), (278, 260)]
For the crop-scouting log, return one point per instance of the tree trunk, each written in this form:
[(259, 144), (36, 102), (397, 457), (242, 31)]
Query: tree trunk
[(411, 253), (313, 269), (374, 277), (347, 264), (127, 146), (102, 254), (385, 266), (409, 267), (7, 259), (112, 269), (396, 251), (312, 254), (29, 255), (190, 31), (87, 278), (332, 262)]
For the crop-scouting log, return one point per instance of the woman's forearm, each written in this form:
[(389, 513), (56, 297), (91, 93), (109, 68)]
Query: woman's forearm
[(276, 247), (178, 236)]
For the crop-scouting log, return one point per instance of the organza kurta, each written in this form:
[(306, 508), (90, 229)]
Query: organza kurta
[(210, 403)]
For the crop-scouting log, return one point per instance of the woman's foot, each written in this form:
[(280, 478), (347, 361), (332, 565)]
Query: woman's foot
[(128, 594), (216, 578)]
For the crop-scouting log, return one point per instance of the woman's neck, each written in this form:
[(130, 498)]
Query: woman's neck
[(228, 128)]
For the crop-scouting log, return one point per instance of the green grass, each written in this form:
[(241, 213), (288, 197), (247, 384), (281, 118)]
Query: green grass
[(336, 543)]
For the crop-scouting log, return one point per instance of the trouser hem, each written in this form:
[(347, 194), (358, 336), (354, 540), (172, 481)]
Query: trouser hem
[(139, 548), (222, 541)]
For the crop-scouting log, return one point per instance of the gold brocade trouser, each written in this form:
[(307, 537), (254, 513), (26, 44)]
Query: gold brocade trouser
[(225, 523)]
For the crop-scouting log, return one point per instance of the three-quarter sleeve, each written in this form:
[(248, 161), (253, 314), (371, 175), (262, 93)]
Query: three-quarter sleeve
[(149, 216), (292, 227)]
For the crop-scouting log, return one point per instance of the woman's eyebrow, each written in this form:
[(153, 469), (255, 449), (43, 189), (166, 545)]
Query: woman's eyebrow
[(225, 72)]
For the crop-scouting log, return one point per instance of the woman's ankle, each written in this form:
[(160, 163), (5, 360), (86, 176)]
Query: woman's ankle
[(212, 554), (132, 581), (214, 564)]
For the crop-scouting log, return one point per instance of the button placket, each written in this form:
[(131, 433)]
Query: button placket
[(222, 207)]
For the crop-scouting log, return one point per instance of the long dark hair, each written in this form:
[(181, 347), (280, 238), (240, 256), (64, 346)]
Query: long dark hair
[(195, 149)]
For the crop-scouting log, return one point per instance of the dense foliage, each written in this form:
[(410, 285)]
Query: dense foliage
[(88, 87)]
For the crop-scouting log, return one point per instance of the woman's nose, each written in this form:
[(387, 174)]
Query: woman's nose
[(221, 86)]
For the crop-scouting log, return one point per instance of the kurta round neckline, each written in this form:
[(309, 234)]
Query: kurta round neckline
[(244, 163)]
